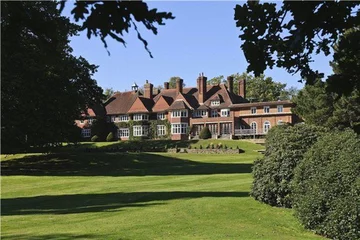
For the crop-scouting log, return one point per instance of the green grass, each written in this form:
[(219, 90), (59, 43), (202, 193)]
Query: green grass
[(78, 195)]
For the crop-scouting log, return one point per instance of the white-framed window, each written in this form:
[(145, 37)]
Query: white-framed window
[(123, 132), (266, 126), (140, 130), (179, 113), (113, 118), (215, 103), (200, 113), (253, 110), (280, 122), (253, 126), (123, 118), (161, 116), (139, 117), (214, 113), (179, 128), (161, 130), (266, 109), (225, 112), (86, 132), (280, 108)]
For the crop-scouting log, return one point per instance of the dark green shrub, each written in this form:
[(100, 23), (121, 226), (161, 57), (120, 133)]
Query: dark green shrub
[(326, 186), (205, 133), (285, 147), (200, 147), (95, 138), (110, 137)]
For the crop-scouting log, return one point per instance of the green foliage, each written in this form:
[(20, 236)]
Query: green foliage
[(172, 82), (153, 129), (44, 87), (205, 133), (327, 186), (273, 174), (110, 137), (95, 138), (108, 92), (287, 36), (101, 128), (319, 107)]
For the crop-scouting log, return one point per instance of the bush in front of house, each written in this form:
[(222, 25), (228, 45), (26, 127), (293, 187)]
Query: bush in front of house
[(326, 186), (205, 133), (95, 138), (110, 137), (273, 174)]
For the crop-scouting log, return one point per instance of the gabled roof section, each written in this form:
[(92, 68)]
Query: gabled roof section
[(162, 104), (120, 102), (178, 105), (141, 105)]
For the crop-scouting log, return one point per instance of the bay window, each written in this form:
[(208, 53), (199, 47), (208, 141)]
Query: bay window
[(140, 130), (179, 128)]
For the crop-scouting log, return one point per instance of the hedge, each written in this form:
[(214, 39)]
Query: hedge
[(285, 147), (327, 186)]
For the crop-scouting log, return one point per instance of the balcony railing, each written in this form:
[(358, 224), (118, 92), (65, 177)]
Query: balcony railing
[(249, 132)]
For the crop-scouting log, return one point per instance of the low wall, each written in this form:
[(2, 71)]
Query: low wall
[(205, 151)]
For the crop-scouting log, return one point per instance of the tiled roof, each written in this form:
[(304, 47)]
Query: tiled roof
[(120, 103), (271, 103), (177, 105)]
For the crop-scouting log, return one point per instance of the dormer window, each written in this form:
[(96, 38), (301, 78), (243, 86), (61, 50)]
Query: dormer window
[(161, 116), (215, 103), (200, 113), (225, 112), (140, 117)]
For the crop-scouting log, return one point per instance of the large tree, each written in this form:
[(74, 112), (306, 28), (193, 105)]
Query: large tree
[(44, 87), (172, 82), (289, 35), (259, 88)]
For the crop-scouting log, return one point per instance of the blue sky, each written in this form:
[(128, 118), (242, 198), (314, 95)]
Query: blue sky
[(202, 38)]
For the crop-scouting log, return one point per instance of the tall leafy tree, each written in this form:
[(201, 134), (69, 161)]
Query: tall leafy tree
[(288, 36), (108, 92), (172, 82), (44, 87)]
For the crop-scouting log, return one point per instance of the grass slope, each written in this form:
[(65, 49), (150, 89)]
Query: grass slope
[(78, 195)]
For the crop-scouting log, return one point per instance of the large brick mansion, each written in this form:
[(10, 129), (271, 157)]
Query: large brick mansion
[(181, 113)]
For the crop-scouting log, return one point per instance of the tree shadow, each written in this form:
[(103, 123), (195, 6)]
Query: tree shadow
[(114, 164), (85, 203), (59, 236)]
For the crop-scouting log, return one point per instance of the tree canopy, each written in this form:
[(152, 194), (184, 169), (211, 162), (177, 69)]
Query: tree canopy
[(44, 87), (172, 82), (261, 88), (289, 35)]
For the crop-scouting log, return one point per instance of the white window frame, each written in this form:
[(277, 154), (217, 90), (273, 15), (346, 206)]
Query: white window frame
[(179, 128), (225, 112), (140, 117), (215, 103), (161, 116), (266, 109), (267, 126), (112, 118), (86, 132), (200, 113), (140, 130), (123, 118), (214, 113), (280, 108), (253, 125), (253, 110), (179, 113), (123, 132), (161, 130)]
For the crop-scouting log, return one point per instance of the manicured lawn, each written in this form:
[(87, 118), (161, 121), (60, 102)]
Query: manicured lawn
[(78, 195)]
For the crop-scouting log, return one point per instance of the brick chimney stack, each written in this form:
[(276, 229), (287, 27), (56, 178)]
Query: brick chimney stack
[(242, 88), (230, 83), (179, 85), (148, 90), (166, 85), (201, 85)]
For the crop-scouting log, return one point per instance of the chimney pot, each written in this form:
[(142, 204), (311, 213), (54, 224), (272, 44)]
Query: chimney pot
[(148, 90), (201, 85)]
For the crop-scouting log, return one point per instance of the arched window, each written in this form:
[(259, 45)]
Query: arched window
[(266, 126), (253, 126)]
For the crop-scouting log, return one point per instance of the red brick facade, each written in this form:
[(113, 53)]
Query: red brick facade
[(188, 110)]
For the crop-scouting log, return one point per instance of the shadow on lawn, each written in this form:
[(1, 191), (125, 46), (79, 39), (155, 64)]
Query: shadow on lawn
[(60, 236), (114, 164), (84, 203)]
